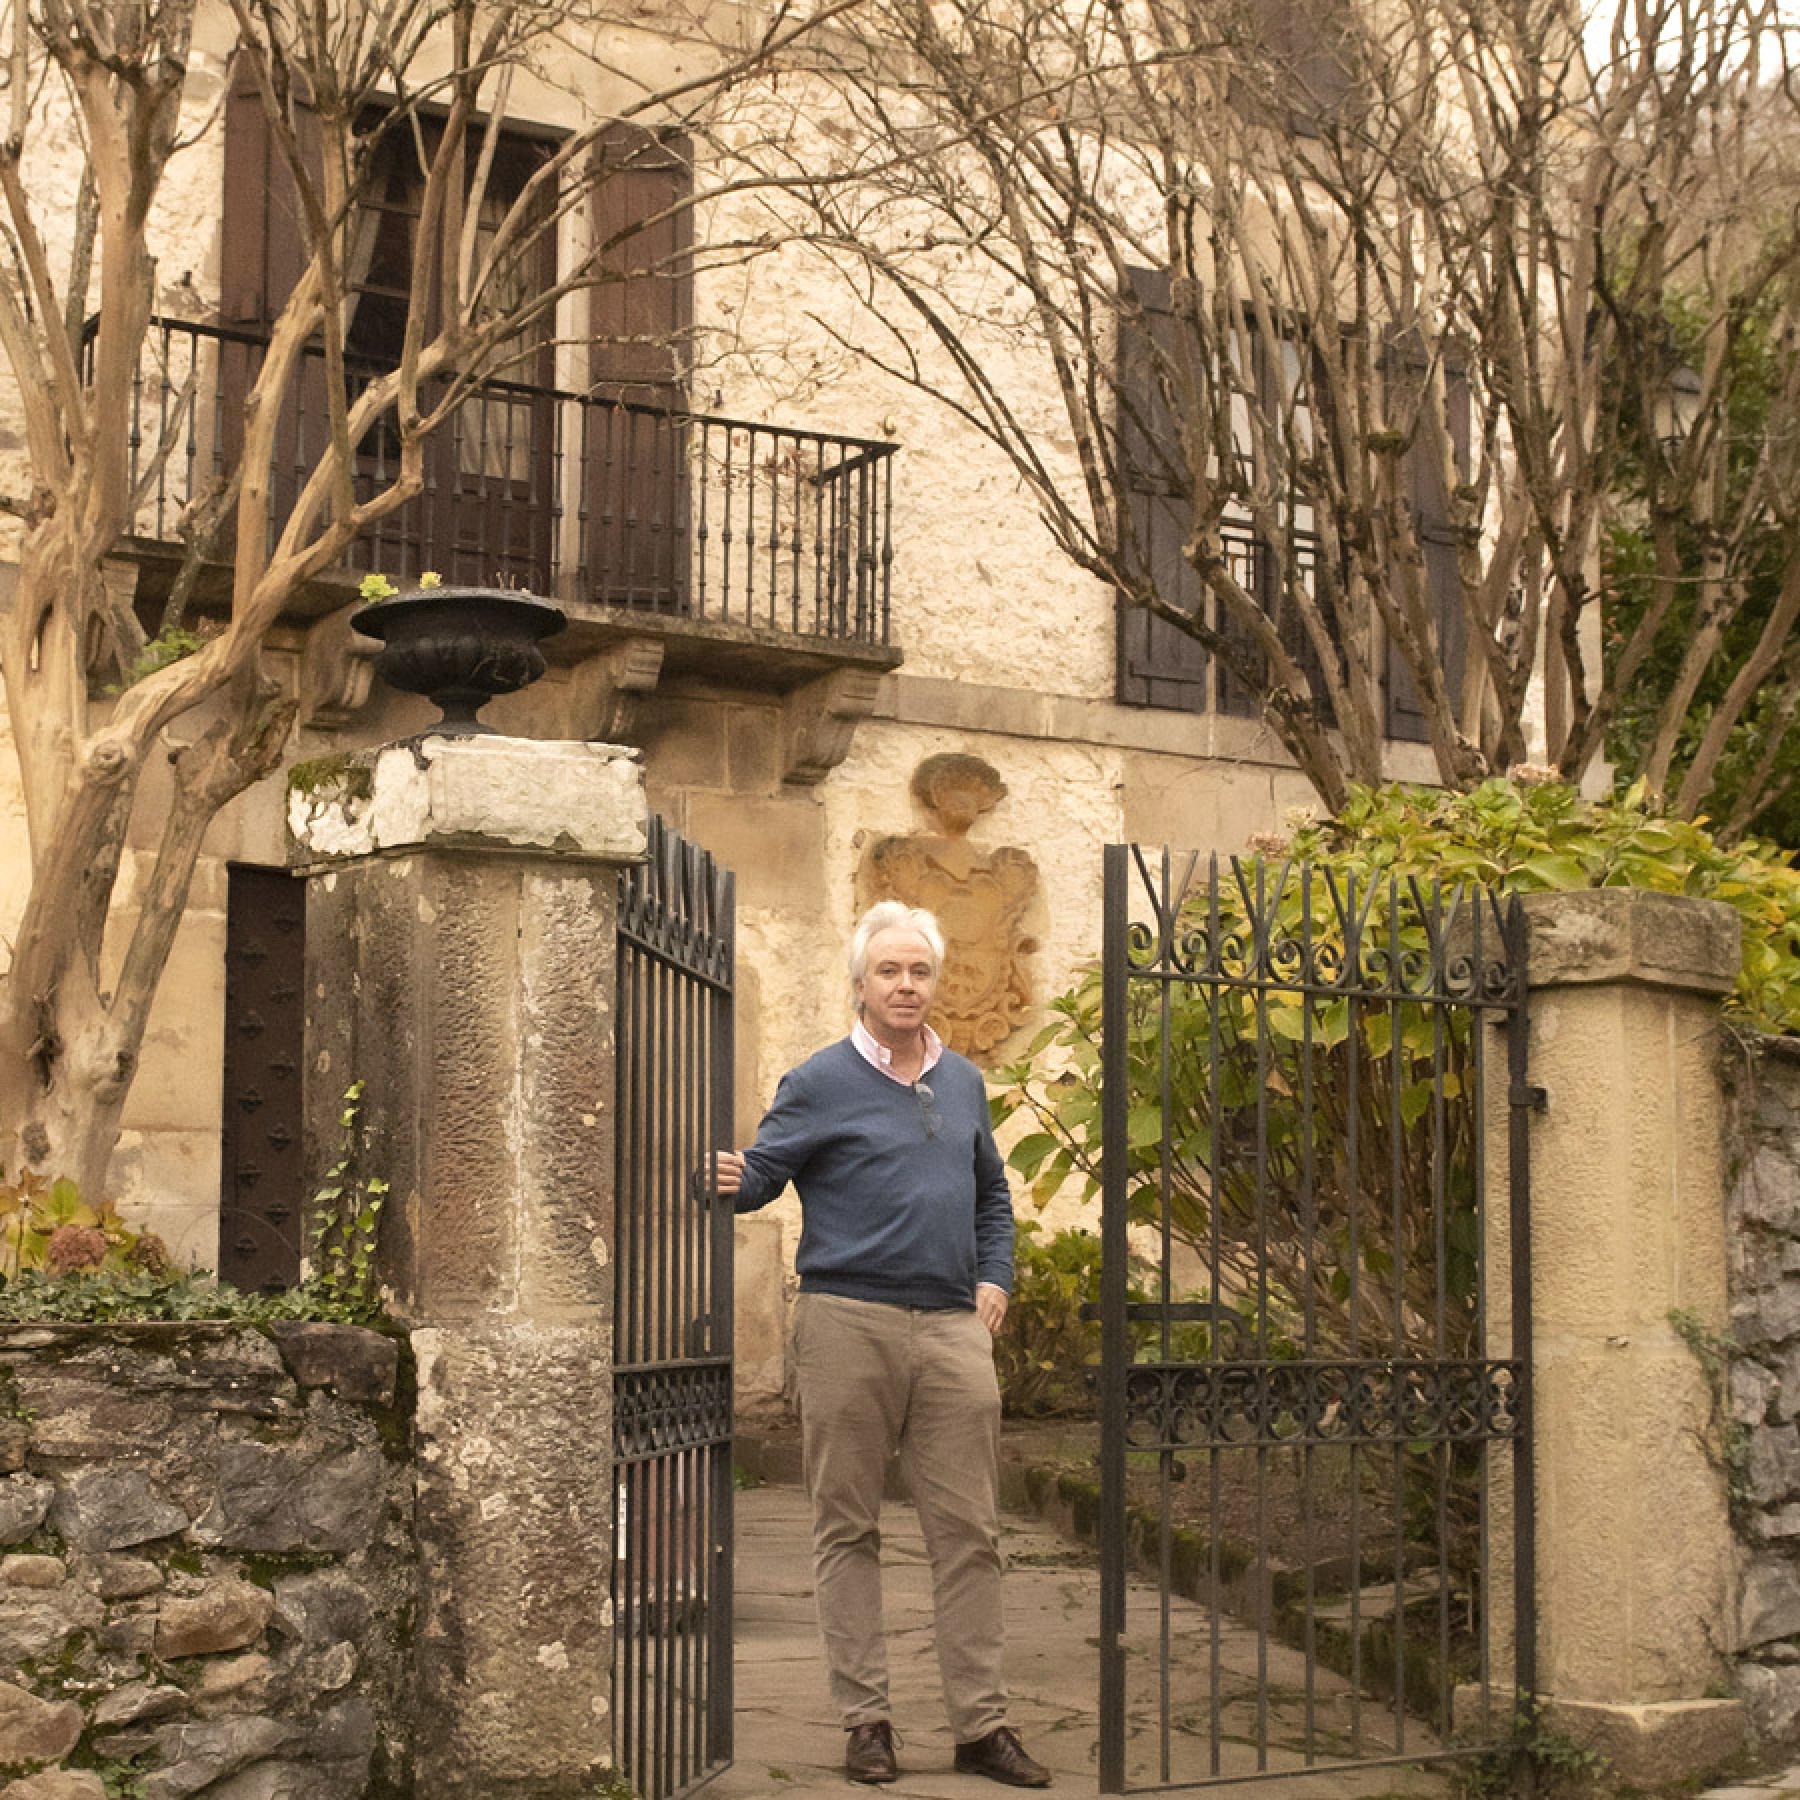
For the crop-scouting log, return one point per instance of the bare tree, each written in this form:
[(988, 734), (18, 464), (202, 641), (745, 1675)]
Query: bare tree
[(346, 90), (1370, 328)]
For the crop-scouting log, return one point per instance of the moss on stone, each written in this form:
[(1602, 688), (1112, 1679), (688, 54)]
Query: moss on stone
[(263, 1568), (338, 777)]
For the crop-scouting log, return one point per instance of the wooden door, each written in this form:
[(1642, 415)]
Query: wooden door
[(261, 1178)]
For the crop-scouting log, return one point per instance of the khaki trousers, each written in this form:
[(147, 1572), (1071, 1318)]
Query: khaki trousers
[(873, 1379)]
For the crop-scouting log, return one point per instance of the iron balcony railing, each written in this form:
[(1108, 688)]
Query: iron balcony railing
[(585, 496)]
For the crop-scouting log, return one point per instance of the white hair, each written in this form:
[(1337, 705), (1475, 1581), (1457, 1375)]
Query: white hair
[(892, 915)]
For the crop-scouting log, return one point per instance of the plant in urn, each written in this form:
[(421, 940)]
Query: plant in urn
[(458, 646)]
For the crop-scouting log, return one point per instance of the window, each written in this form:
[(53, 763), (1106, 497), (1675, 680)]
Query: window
[(1158, 664), (524, 478)]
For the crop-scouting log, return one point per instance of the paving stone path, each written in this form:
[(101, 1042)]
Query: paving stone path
[(789, 1743), (1784, 1786)]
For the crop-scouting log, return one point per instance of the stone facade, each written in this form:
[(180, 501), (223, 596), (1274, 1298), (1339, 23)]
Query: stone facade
[(206, 1565), (1761, 1437), (1005, 653)]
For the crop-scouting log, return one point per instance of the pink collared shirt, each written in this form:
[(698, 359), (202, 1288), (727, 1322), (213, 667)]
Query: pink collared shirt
[(877, 1055)]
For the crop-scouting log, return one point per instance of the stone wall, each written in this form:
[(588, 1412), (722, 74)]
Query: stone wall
[(206, 1572), (1763, 1444)]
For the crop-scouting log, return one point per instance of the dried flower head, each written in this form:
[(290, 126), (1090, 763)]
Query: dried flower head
[(75, 1247), (149, 1253), (1533, 774), (1299, 818), (1269, 843)]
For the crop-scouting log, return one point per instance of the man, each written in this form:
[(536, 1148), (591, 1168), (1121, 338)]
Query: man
[(905, 1269)]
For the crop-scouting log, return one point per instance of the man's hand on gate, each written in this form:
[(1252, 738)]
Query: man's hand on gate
[(990, 1301), (728, 1170)]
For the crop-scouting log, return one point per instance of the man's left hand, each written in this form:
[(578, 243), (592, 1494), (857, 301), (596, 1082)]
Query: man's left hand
[(990, 1306)]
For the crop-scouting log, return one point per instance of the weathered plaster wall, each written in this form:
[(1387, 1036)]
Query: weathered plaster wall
[(1763, 1445), (1009, 655), (207, 1572)]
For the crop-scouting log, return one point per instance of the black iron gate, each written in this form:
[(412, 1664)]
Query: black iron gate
[(672, 1322), (1315, 1367)]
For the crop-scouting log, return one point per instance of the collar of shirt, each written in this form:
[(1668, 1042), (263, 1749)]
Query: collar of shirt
[(878, 1056)]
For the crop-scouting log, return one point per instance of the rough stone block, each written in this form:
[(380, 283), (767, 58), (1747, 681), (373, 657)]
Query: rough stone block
[(1778, 1522), (322, 1607), (1768, 1600), (1752, 1388), (1653, 1746), (575, 800), (32, 1571), (137, 1702), (225, 1615), (133, 1636), (81, 1418), (353, 1363), (38, 1622), (24, 1503), (1631, 934), (125, 1577), (56, 1784), (1766, 1315), (1772, 1695), (102, 1508), (279, 1780), (15, 1442), (1773, 1467), (194, 1756), (308, 1496), (34, 1730), (343, 1733), (514, 1514), (234, 1683), (1767, 1190)]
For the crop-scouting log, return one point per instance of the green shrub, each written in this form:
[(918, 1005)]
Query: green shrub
[(101, 1295), (62, 1259), (1533, 835), (1045, 1346), (170, 645)]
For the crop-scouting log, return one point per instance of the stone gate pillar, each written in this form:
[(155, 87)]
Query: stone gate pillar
[(460, 964), (1634, 1590)]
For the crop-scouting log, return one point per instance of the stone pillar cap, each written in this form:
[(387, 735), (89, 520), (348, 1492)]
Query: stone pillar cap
[(1588, 935), (581, 801)]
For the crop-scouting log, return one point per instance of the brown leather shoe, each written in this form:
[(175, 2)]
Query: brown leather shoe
[(869, 1755), (1001, 1757)]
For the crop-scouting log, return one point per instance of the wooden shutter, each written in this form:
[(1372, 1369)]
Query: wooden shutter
[(261, 256), (1158, 664), (1430, 504), (635, 474), (1304, 41), (262, 249)]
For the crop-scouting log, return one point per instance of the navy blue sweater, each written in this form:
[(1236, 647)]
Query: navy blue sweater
[(891, 1209)]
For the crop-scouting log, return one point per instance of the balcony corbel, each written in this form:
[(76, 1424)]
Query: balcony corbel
[(337, 670), (607, 688), (819, 721)]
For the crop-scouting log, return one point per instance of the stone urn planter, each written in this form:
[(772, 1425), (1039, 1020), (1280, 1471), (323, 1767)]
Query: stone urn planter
[(459, 647)]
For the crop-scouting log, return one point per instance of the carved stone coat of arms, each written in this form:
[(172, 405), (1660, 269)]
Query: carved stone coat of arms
[(983, 900)]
